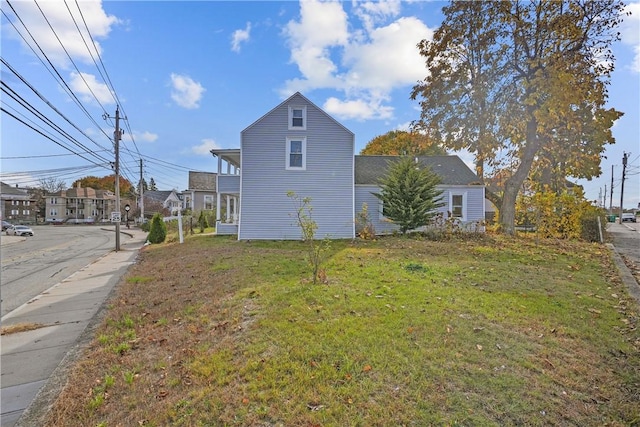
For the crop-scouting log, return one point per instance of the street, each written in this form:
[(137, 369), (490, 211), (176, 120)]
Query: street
[(626, 239), (33, 264)]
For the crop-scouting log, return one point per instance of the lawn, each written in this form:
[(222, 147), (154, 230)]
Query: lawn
[(483, 330)]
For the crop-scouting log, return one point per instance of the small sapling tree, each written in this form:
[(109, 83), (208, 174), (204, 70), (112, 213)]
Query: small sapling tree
[(315, 249)]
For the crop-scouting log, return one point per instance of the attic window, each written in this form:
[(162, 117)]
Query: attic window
[(297, 118)]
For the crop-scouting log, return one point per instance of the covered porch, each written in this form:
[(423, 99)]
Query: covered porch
[(227, 189)]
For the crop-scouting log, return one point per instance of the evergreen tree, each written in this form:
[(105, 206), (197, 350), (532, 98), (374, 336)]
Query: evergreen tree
[(409, 195), (152, 185), (158, 230)]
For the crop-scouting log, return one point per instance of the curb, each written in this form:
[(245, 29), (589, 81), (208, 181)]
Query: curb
[(625, 274)]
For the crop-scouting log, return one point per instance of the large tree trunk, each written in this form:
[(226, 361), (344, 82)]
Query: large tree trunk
[(512, 186)]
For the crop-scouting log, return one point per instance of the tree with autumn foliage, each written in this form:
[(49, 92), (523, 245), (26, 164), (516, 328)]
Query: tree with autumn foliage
[(403, 143), (106, 183), (522, 85)]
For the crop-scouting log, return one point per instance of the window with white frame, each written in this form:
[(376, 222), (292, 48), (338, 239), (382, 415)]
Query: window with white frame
[(297, 118), (53, 212), (208, 202), (457, 205), (296, 153), (54, 201)]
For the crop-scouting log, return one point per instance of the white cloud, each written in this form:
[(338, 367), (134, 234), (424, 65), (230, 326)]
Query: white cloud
[(372, 12), (322, 26), (145, 136), (630, 33), (89, 89), (390, 59), (186, 92), (99, 23), (357, 109), (240, 36), (366, 64), (205, 147)]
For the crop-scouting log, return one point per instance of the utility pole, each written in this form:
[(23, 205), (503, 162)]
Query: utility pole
[(116, 138), (624, 169), (117, 134), (141, 196), (611, 194)]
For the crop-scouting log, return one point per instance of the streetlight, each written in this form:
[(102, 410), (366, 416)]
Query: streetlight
[(126, 209)]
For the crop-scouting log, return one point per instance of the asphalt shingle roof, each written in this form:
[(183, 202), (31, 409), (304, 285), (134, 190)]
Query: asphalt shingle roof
[(451, 169)]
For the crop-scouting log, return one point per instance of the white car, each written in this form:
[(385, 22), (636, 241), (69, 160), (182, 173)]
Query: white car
[(19, 230), (631, 217)]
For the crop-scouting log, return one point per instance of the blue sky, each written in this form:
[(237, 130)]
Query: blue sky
[(190, 76)]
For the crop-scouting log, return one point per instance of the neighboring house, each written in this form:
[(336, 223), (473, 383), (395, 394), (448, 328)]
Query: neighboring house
[(80, 205), (201, 194), (297, 147), (462, 192), (157, 201), (16, 205)]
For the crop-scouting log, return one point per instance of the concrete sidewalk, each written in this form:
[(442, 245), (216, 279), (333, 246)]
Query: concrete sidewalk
[(34, 362)]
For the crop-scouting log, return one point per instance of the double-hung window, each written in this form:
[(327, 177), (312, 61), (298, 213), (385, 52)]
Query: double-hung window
[(296, 153), (208, 202), (297, 118), (457, 205)]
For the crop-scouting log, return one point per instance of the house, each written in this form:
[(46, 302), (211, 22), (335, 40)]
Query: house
[(201, 194), (158, 201), (294, 147), (462, 192), (297, 147), (16, 205), (79, 205)]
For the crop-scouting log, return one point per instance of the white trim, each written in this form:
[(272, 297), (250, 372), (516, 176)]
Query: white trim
[(464, 203), (288, 152), (303, 108)]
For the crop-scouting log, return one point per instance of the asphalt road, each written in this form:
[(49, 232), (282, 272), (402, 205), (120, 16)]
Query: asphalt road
[(31, 265), (626, 238)]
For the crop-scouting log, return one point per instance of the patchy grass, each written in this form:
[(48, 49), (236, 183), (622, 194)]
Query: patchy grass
[(485, 331)]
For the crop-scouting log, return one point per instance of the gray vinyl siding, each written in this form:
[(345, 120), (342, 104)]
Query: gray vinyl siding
[(265, 210), (474, 200), (229, 184)]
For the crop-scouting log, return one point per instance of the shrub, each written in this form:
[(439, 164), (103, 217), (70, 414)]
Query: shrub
[(364, 227), (158, 230), (202, 221)]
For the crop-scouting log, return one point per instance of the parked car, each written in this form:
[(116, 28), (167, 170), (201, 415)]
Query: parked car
[(19, 230), (6, 225), (628, 217)]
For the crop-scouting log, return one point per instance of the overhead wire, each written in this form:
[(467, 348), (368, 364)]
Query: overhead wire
[(154, 166), (51, 68)]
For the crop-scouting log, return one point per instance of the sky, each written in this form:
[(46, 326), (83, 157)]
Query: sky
[(187, 77)]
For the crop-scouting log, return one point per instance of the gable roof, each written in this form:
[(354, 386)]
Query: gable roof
[(159, 196), (202, 181), (9, 192), (289, 101), (451, 169)]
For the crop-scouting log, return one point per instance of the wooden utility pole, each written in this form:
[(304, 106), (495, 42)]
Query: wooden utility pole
[(141, 195), (116, 139), (624, 169)]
